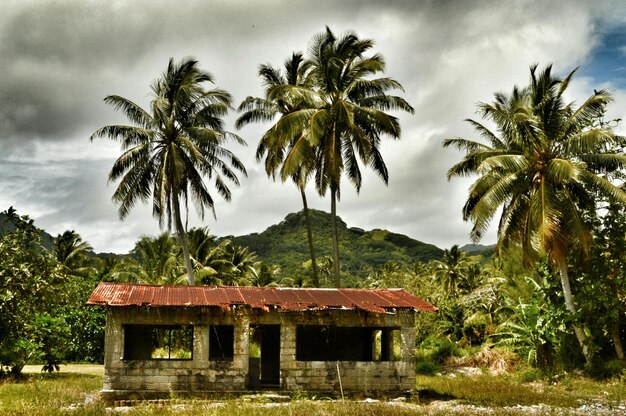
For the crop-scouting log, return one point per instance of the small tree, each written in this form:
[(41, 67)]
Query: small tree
[(30, 278)]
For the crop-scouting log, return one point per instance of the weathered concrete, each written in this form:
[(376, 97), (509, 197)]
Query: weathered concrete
[(127, 379)]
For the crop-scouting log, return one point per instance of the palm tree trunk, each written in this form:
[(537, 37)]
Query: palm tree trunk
[(182, 239), (617, 339), (333, 226), (571, 308), (309, 234)]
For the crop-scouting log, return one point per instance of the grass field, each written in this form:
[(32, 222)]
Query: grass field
[(65, 393)]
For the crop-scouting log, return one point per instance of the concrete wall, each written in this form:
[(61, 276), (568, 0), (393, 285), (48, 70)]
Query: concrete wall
[(357, 376), (126, 379)]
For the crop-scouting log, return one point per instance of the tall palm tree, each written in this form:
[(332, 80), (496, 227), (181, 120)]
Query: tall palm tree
[(210, 264), (201, 242), (283, 102), (544, 167), (170, 150), (347, 121), (266, 275), (242, 262), (225, 264)]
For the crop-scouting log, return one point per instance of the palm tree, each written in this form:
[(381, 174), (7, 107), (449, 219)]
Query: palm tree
[(226, 264), (347, 120), (201, 243), (450, 271), (283, 103), (154, 260), (211, 264), (544, 168), (242, 262), (71, 251), (266, 275), (170, 150)]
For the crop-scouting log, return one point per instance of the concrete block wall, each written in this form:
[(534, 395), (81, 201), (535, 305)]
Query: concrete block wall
[(154, 378), (151, 378), (356, 376)]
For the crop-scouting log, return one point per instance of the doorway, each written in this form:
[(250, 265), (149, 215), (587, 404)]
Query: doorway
[(264, 364)]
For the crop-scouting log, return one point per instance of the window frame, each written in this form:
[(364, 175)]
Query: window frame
[(147, 338)]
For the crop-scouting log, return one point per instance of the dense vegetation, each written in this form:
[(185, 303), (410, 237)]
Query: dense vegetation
[(43, 291), (362, 251), (553, 292), (483, 301)]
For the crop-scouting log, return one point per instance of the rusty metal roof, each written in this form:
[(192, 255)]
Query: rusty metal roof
[(296, 299)]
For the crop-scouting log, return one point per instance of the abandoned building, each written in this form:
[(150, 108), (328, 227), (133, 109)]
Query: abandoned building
[(161, 340)]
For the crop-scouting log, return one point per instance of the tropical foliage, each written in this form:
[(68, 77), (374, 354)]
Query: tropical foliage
[(362, 251), (544, 166), (335, 116), (39, 303), (170, 150), (296, 74), (548, 168)]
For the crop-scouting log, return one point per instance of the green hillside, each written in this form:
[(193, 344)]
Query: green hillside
[(361, 251), (486, 251), (7, 226)]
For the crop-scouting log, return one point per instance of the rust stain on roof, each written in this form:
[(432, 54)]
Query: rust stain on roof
[(292, 299)]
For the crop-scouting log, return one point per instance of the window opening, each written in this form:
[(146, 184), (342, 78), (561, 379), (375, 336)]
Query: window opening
[(329, 343), (221, 342), (158, 342), (386, 344)]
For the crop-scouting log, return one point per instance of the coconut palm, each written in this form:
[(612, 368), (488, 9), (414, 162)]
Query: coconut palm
[(154, 260), (242, 262), (450, 271), (201, 243), (347, 122), (71, 251), (170, 151), (210, 264), (544, 167), (283, 103), (226, 264), (266, 275)]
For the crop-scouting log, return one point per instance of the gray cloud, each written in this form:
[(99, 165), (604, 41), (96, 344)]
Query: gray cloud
[(60, 59)]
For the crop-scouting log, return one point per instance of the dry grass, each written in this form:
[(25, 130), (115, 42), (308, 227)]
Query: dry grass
[(496, 361), (92, 369), (52, 394), (499, 391)]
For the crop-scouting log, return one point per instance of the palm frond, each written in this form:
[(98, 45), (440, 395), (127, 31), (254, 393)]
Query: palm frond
[(132, 111)]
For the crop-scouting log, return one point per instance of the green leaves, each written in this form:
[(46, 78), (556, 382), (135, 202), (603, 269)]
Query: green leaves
[(169, 152), (542, 167), (30, 284), (546, 177)]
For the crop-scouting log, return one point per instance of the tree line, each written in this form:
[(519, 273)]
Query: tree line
[(483, 299)]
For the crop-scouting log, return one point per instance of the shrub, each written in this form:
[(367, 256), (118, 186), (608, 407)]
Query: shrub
[(426, 367), (606, 369), (445, 350)]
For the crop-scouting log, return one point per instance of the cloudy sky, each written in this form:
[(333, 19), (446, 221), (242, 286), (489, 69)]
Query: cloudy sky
[(59, 59)]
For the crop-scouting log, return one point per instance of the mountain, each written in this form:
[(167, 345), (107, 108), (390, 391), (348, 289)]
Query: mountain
[(6, 226), (286, 244), (472, 249)]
